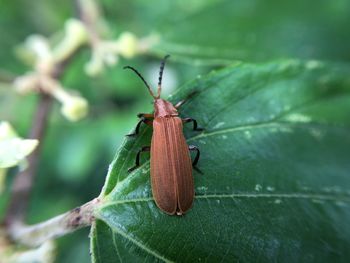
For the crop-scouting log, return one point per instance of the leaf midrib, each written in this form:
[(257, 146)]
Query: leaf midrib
[(296, 195), (155, 254)]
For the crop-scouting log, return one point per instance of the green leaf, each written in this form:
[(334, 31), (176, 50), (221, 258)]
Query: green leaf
[(255, 30), (13, 149), (275, 184)]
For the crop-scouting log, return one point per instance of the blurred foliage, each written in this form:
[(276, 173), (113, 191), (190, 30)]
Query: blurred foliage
[(200, 36)]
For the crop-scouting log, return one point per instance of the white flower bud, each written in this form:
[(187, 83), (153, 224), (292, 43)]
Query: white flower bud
[(128, 45), (95, 65), (39, 45), (76, 29), (41, 49), (74, 108), (75, 36), (110, 59)]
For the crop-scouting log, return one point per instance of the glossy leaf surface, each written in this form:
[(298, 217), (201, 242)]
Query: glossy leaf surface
[(275, 185)]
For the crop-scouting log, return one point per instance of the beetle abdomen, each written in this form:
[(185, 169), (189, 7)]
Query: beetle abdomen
[(171, 167)]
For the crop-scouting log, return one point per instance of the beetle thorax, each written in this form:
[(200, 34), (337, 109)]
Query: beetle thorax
[(163, 108)]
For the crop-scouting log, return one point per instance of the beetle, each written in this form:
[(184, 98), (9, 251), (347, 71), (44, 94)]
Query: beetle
[(171, 165)]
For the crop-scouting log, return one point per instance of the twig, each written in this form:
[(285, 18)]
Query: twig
[(36, 235), (23, 182)]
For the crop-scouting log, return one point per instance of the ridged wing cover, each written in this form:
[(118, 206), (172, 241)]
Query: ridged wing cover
[(171, 166)]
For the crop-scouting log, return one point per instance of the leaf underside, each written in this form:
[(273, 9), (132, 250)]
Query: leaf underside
[(275, 185)]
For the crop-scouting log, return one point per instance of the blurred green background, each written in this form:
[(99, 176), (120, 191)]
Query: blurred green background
[(200, 36)]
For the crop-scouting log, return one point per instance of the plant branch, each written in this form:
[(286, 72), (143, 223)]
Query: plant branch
[(23, 182), (37, 234)]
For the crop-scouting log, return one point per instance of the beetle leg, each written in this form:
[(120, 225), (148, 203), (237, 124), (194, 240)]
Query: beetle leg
[(195, 128), (144, 118), (195, 148), (145, 115), (181, 102), (137, 160)]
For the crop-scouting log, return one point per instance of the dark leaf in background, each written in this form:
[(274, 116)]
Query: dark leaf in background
[(255, 30)]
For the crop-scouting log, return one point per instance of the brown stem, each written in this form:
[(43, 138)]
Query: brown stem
[(37, 234), (23, 182)]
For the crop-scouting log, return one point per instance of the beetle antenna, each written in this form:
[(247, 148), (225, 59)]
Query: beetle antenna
[(162, 64), (144, 81)]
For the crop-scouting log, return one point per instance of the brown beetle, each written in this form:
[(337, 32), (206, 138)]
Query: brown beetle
[(171, 167)]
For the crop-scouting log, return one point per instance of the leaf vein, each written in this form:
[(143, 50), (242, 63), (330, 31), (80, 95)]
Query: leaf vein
[(115, 245), (260, 125), (140, 245)]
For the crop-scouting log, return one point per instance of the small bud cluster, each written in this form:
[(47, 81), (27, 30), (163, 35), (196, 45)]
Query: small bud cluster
[(47, 58), (46, 61), (106, 52)]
